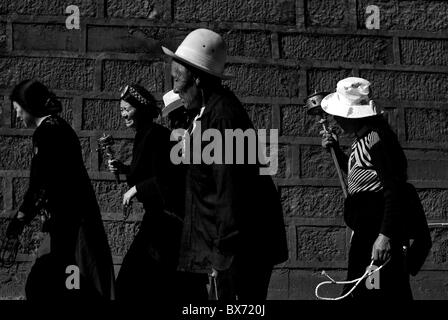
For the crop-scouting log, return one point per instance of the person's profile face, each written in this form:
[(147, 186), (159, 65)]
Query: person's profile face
[(349, 126), (24, 116), (128, 113), (185, 86)]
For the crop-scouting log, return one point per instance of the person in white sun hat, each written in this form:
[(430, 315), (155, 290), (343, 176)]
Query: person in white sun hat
[(233, 225), (171, 102), (375, 207), (174, 111)]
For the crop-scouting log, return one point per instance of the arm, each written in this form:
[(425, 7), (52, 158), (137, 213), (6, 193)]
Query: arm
[(229, 182), (44, 161), (382, 161), (342, 158), (383, 164), (226, 215), (331, 141), (158, 186)]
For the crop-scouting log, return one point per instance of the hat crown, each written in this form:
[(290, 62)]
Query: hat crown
[(172, 101), (354, 89), (204, 49), (351, 100), (170, 97)]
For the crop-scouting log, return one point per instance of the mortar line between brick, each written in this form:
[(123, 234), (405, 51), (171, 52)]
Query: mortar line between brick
[(83, 38), (296, 163), (352, 17), (9, 36), (101, 8), (289, 161), (7, 112), (303, 83), (300, 14), (396, 50), (8, 196), (401, 124), (237, 26), (275, 46), (98, 75), (276, 121), (77, 113), (94, 161), (315, 64), (171, 9)]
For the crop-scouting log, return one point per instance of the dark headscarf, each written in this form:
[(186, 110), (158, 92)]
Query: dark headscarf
[(141, 99), (35, 98)]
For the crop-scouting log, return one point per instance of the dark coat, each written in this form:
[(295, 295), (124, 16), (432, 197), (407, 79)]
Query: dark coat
[(60, 184), (396, 212), (151, 261), (230, 210)]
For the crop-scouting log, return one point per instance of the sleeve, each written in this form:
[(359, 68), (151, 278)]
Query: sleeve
[(229, 181), (158, 186), (28, 205), (383, 164), (44, 161)]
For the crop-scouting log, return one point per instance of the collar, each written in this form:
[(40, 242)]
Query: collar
[(212, 100), (363, 131), (40, 120)]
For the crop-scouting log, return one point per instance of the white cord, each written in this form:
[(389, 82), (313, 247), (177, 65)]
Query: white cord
[(358, 281)]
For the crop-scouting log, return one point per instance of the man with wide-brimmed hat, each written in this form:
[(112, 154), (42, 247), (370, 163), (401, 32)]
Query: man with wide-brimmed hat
[(233, 227)]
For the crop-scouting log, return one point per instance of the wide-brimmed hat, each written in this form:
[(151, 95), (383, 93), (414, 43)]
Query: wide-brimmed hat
[(171, 101), (351, 100), (203, 49)]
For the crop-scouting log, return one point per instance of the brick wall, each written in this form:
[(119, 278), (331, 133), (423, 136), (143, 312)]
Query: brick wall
[(280, 51)]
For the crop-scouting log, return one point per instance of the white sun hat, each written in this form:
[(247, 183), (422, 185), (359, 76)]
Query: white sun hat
[(351, 100), (203, 49), (171, 101)]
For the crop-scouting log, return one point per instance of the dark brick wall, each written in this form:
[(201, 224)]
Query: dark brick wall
[(280, 51)]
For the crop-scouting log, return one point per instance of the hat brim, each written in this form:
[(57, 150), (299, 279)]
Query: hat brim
[(171, 107), (170, 53), (331, 104)]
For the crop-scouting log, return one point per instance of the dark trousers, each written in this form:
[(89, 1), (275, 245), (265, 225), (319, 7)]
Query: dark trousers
[(245, 280), (393, 277)]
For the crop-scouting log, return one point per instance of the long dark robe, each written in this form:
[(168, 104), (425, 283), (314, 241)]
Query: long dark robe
[(148, 270), (73, 228)]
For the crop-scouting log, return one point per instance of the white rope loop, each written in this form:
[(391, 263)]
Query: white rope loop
[(358, 281)]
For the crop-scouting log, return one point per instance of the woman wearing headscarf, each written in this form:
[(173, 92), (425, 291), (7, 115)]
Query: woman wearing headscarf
[(380, 203), (61, 193), (148, 268)]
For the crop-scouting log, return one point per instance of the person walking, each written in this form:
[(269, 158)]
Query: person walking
[(233, 227), (60, 192)]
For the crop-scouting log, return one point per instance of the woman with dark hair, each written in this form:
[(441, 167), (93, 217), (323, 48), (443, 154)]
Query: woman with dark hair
[(148, 269), (61, 193), (378, 208)]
